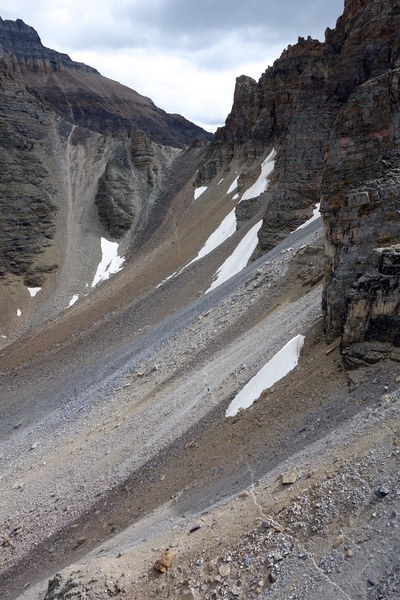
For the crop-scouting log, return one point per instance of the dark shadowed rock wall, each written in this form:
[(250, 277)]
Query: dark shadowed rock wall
[(27, 208), (361, 185)]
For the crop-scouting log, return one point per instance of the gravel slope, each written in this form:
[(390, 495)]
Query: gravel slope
[(124, 427)]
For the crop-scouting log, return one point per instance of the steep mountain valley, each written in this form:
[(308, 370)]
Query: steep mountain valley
[(148, 271)]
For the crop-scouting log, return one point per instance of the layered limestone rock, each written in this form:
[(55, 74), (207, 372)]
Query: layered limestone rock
[(373, 301), (372, 327), (27, 205), (131, 187), (361, 184), (83, 96)]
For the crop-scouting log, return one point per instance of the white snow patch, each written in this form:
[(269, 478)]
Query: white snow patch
[(233, 185), (4, 337), (19, 312), (74, 299), (220, 181), (110, 263), (239, 258), (222, 233), (316, 214), (34, 291), (280, 365), (199, 191), (262, 182), (235, 197)]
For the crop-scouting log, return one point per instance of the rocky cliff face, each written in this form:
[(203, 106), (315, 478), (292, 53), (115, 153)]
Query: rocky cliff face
[(27, 207), (360, 201), (331, 110), (291, 108)]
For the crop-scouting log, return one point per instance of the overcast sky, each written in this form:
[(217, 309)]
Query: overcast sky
[(184, 54)]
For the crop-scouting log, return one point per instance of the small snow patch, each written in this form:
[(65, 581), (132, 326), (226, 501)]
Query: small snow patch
[(34, 291), (74, 299), (220, 181), (19, 312), (316, 214), (280, 365), (262, 182), (199, 191), (110, 263), (233, 185)]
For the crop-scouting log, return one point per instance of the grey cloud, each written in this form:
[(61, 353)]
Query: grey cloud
[(191, 25), (201, 21)]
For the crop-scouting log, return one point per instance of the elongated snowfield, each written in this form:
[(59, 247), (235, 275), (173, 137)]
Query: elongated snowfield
[(280, 365), (262, 182), (222, 233), (239, 258)]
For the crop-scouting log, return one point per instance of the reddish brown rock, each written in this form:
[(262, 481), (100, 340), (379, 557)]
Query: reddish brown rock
[(164, 563)]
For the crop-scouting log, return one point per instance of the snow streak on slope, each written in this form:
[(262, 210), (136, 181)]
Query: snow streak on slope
[(110, 263), (316, 214), (280, 365), (74, 299), (262, 182), (222, 233), (233, 185), (239, 258)]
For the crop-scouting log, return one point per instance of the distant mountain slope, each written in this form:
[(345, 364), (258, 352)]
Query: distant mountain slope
[(85, 97), (82, 158)]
